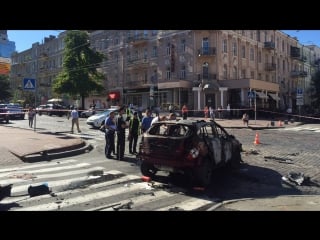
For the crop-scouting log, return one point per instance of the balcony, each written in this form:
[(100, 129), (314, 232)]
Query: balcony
[(137, 39), (269, 45), (295, 52), (299, 74), (270, 66), (207, 51), (138, 63), (206, 78)]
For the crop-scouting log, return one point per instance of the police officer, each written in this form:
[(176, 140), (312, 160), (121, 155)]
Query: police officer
[(121, 134), (110, 128)]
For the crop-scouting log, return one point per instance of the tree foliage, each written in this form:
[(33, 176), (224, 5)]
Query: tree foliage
[(5, 93), (79, 75), (315, 90)]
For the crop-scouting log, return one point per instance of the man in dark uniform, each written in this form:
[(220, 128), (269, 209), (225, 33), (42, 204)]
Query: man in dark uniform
[(110, 128), (121, 134)]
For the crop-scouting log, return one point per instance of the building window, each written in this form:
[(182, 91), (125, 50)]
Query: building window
[(243, 52), (145, 54), (251, 54), (205, 46), (235, 73), (259, 76), (205, 70), (252, 74), (224, 46), (243, 73), (168, 74), (259, 57), (168, 49), (225, 72), (234, 49), (258, 36), (183, 45), (183, 72), (154, 51)]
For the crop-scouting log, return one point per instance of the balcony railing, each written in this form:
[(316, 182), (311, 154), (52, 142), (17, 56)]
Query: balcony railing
[(209, 76), (270, 67), (269, 45), (299, 74), (207, 51)]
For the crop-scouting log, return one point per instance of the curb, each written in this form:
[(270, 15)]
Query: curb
[(66, 152)]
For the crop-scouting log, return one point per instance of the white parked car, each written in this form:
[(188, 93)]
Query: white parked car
[(97, 120)]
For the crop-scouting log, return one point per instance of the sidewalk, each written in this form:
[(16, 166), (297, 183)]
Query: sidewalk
[(278, 203), (29, 146)]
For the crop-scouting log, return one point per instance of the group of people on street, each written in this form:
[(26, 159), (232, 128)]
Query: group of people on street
[(115, 128)]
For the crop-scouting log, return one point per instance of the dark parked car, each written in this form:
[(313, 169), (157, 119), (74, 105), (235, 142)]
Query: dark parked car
[(52, 109), (194, 148)]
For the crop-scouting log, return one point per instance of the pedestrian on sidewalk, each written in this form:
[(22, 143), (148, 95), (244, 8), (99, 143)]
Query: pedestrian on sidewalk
[(31, 114), (245, 119), (75, 119)]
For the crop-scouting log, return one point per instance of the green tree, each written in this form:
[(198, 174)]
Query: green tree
[(315, 90), (79, 75), (5, 92)]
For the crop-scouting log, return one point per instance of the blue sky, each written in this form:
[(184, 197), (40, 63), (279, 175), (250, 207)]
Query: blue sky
[(305, 37), (25, 38)]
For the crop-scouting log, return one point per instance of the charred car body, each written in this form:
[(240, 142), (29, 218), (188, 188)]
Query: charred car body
[(190, 147)]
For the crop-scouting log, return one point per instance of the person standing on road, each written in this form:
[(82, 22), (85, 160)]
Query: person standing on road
[(146, 121), (184, 111), (31, 114), (121, 134), (75, 119), (134, 128), (110, 129)]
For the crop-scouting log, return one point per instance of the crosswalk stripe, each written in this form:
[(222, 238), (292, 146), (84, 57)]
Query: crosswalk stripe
[(16, 179), (83, 198), (74, 191), (303, 128), (187, 205), (36, 165)]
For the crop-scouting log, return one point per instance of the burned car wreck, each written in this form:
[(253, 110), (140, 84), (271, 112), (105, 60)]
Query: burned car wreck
[(194, 148)]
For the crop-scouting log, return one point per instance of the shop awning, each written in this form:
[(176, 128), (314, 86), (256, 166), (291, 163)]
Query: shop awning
[(274, 96), (261, 95), (115, 95)]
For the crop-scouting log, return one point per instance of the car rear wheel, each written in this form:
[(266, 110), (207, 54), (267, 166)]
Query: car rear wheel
[(203, 173), (236, 159), (148, 169)]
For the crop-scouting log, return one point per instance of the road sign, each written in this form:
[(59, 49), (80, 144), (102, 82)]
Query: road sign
[(299, 101), (299, 91), (252, 94), (29, 84)]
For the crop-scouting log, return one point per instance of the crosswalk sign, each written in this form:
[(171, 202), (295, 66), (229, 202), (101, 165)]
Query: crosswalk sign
[(251, 94), (29, 84)]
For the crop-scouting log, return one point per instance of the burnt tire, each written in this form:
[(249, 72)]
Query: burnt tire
[(236, 159), (148, 169), (203, 173)]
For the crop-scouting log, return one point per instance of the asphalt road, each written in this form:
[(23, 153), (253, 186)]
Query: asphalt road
[(280, 152)]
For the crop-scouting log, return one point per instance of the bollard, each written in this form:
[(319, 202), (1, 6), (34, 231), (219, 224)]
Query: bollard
[(272, 123)]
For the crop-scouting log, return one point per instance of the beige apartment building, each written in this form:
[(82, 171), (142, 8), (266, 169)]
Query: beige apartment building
[(195, 67)]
